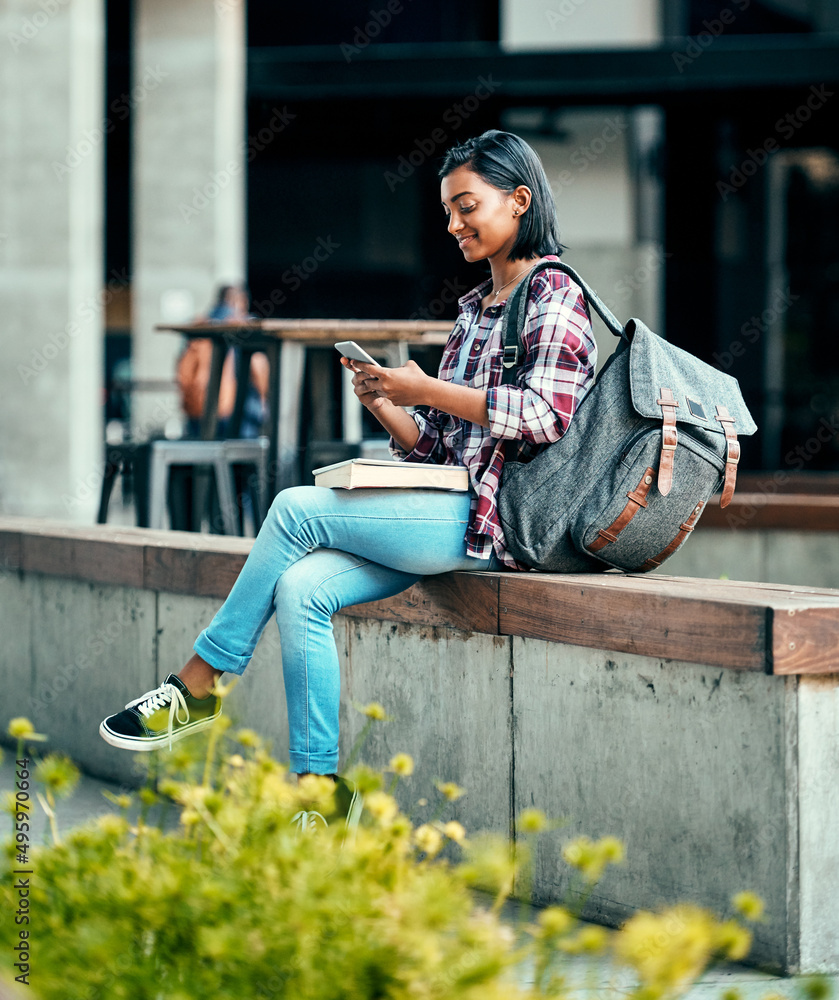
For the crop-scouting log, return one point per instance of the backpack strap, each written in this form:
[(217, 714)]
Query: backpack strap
[(732, 454), (512, 322)]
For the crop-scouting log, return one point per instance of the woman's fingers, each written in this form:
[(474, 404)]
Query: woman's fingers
[(364, 384)]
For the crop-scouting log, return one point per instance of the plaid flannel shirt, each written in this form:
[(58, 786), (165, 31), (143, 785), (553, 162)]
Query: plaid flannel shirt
[(560, 355)]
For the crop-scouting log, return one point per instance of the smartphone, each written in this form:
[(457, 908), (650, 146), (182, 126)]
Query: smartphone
[(349, 349)]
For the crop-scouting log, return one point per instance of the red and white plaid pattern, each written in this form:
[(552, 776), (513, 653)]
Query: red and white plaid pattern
[(560, 355)]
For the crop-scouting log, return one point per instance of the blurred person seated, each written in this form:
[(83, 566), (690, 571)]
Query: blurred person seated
[(193, 376), (193, 373)]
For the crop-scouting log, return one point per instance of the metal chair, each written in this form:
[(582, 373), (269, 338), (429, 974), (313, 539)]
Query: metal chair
[(221, 457), (151, 464)]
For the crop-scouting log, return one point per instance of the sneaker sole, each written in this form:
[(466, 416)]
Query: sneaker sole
[(145, 743)]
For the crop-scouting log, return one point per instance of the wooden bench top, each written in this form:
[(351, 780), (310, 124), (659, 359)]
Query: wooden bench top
[(764, 627)]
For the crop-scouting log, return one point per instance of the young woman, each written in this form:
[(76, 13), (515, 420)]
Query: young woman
[(320, 549)]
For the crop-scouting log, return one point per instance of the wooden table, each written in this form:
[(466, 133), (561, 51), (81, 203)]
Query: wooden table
[(284, 342)]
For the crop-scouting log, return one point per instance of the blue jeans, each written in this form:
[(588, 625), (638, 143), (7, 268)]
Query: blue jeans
[(318, 551)]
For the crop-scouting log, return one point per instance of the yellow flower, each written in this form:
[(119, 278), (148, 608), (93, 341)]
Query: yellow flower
[(315, 788), (733, 940), (123, 801), (555, 920), (748, 904), (668, 949), (428, 840), (455, 831), (169, 788), (587, 939), (381, 807), (450, 790), (532, 821), (583, 855), (402, 764), (611, 849), (816, 987), (593, 939), (490, 864), (236, 760), (374, 711), (401, 826), (111, 825), (221, 690), (58, 773), (22, 729), (248, 738)]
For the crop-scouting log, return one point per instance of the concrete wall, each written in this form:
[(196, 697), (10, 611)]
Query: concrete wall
[(717, 780), (52, 137)]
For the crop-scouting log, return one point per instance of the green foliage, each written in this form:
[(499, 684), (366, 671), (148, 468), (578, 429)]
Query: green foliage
[(235, 902)]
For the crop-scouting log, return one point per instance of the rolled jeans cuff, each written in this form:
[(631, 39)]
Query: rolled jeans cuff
[(219, 658), (301, 762)]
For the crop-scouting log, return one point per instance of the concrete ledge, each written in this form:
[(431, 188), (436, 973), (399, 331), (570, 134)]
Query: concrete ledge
[(719, 774), (739, 626)]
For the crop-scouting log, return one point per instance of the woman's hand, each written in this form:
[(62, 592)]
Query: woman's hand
[(384, 391), (376, 386)]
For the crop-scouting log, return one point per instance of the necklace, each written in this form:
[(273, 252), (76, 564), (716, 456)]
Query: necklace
[(501, 289)]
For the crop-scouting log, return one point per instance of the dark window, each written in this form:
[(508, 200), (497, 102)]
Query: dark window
[(749, 17), (355, 22)]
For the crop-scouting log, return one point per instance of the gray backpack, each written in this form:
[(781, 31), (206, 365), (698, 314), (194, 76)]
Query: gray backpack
[(651, 440)]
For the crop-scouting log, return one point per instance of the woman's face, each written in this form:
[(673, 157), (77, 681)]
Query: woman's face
[(480, 216)]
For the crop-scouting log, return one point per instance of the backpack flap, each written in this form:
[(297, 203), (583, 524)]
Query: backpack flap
[(670, 385)]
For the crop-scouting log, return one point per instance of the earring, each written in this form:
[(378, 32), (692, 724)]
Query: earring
[(516, 212)]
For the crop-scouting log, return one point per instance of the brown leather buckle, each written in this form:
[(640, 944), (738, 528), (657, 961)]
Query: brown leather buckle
[(684, 530), (732, 454), (637, 499), (669, 440)]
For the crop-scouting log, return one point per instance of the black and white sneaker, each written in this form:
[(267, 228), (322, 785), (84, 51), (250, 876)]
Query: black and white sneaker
[(160, 717)]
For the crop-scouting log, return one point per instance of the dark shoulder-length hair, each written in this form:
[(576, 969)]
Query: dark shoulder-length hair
[(505, 161)]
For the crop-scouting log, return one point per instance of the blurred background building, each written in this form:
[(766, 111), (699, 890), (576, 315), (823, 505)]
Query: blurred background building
[(151, 150)]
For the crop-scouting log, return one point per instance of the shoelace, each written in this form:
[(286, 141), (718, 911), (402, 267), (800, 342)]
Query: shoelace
[(307, 820), (166, 694)]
